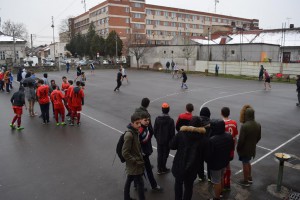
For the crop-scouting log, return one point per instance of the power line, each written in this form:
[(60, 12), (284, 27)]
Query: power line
[(56, 17)]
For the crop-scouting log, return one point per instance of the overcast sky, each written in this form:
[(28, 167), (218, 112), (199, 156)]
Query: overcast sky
[(36, 14)]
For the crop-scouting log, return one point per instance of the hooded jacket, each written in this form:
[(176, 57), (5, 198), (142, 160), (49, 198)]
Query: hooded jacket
[(164, 129), (190, 145), (219, 146), (132, 153), (250, 134), (18, 98)]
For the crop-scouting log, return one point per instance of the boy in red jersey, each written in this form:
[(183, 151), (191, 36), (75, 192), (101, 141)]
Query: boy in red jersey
[(230, 127), (65, 85), (44, 100), (57, 99), (185, 118), (18, 101), (77, 101), (67, 98)]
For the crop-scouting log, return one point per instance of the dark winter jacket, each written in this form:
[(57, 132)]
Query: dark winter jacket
[(183, 120), (18, 98), (132, 153), (250, 134), (219, 146), (298, 85), (19, 75), (184, 77), (119, 76), (164, 129), (190, 144), (145, 136)]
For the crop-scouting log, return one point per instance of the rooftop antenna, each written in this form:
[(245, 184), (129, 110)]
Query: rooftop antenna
[(216, 1), (288, 21), (84, 5)]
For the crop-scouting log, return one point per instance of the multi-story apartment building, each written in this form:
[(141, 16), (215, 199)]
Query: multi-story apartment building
[(159, 23)]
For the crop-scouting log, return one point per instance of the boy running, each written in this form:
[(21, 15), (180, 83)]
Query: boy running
[(184, 78), (230, 127), (77, 101), (119, 80), (18, 101), (57, 99)]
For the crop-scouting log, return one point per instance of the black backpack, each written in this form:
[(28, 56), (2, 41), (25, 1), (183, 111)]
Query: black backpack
[(120, 146)]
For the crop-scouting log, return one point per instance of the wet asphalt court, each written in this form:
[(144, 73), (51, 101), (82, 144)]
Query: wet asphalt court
[(48, 162)]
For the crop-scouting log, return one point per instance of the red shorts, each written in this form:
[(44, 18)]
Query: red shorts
[(18, 110), (76, 108)]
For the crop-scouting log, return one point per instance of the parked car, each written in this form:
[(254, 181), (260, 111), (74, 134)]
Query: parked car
[(81, 62), (105, 62), (48, 63)]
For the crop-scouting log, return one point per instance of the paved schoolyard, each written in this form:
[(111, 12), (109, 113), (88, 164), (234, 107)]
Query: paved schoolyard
[(48, 162)]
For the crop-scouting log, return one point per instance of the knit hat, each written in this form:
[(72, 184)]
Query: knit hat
[(165, 105), (165, 108), (195, 121), (205, 112)]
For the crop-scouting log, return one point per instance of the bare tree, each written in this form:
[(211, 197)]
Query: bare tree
[(18, 30), (64, 25), (187, 49), (137, 44)]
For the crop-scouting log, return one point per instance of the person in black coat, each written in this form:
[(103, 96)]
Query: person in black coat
[(298, 90), (190, 144), (119, 80), (218, 154), (164, 131)]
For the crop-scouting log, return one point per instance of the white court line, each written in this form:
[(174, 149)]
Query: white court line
[(264, 148), (96, 120), (271, 152), (231, 95)]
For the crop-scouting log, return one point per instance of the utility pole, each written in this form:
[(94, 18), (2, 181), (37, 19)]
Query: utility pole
[(15, 59), (31, 43), (216, 1), (53, 37), (116, 47), (84, 5)]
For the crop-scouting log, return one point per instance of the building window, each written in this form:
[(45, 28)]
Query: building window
[(17, 54), (173, 15), (104, 9), (138, 26), (127, 9), (213, 19), (207, 18), (166, 14), (149, 32), (137, 5), (194, 17), (2, 55), (157, 13), (149, 12), (188, 16), (157, 22), (173, 24), (232, 52), (148, 21), (127, 20), (127, 31), (194, 26), (166, 23), (179, 24), (137, 15), (187, 25), (201, 26)]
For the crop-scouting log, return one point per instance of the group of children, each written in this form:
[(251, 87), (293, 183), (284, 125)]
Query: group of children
[(199, 139), (6, 79), (68, 97)]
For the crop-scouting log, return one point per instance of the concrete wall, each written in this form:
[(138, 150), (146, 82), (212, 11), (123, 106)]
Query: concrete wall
[(248, 68), (248, 52), (163, 54)]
